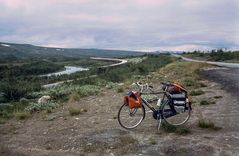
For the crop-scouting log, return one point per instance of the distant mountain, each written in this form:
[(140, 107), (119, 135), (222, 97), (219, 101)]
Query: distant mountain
[(14, 51), (168, 52)]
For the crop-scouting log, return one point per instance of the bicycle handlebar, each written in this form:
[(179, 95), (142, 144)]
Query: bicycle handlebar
[(144, 86)]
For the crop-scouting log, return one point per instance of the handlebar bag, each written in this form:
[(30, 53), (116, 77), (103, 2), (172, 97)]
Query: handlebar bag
[(133, 100)]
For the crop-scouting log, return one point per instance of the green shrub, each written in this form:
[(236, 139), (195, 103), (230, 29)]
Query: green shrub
[(120, 89), (111, 85), (34, 107), (24, 101), (181, 130), (75, 111), (22, 115), (87, 90), (189, 82), (205, 102), (6, 111), (168, 128), (207, 124), (34, 95), (2, 121), (217, 97), (74, 97), (152, 141), (196, 92)]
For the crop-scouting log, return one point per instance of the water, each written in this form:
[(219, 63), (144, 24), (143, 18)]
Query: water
[(68, 70)]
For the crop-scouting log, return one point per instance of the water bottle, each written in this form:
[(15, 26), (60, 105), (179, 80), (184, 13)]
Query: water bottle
[(159, 102)]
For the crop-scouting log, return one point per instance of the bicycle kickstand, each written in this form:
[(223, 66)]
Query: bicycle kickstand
[(159, 119)]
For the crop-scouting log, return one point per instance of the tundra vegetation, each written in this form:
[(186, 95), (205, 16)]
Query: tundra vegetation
[(215, 55), (21, 85)]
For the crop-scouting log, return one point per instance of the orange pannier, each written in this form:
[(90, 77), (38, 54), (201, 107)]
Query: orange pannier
[(179, 86), (133, 100)]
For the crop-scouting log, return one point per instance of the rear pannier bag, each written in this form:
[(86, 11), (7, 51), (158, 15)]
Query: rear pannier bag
[(178, 95), (175, 88), (133, 100)]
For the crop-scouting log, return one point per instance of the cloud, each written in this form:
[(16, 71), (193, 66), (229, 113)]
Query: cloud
[(117, 24)]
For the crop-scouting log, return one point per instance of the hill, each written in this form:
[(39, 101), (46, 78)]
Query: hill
[(12, 51)]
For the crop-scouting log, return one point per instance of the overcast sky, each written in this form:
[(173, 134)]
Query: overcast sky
[(122, 24)]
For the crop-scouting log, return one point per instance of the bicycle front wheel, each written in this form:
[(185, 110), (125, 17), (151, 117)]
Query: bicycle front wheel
[(130, 118), (174, 115)]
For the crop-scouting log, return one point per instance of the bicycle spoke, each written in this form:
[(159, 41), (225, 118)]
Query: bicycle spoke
[(175, 116), (130, 118)]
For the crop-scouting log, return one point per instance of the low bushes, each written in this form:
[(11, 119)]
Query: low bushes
[(196, 92), (181, 130), (76, 111), (202, 123), (207, 102), (34, 107), (22, 115)]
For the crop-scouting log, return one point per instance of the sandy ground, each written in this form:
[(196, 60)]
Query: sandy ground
[(97, 132)]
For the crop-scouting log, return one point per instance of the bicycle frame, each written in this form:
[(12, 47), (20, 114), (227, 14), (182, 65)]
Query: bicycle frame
[(165, 95), (145, 102)]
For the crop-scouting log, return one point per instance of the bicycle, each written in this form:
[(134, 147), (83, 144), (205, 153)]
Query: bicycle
[(174, 109)]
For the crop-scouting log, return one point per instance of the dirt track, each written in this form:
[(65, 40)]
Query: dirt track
[(97, 132)]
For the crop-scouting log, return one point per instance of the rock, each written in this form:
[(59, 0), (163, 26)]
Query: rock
[(44, 99), (112, 154)]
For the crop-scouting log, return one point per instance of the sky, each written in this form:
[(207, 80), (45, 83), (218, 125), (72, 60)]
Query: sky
[(145, 25)]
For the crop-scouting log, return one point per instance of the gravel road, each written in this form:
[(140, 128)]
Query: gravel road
[(223, 64), (227, 77)]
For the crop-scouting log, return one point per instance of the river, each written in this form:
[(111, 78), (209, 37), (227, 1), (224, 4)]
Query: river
[(68, 70)]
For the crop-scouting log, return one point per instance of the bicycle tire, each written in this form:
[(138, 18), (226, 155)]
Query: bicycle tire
[(175, 120), (130, 113)]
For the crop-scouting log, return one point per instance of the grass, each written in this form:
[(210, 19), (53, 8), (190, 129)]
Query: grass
[(2, 121), (48, 111), (202, 84), (185, 72), (196, 92), (35, 107), (48, 147), (218, 97), (73, 111), (152, 141), (4, 149), (189, 82), (124, 141), (181, 130), (88, 90), (202, 123), (120, 89), (22, 115), (207, 102), (74, 97)]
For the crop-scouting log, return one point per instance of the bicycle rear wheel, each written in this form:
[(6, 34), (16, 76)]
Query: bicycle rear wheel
[(177, 116), (130, 118)]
